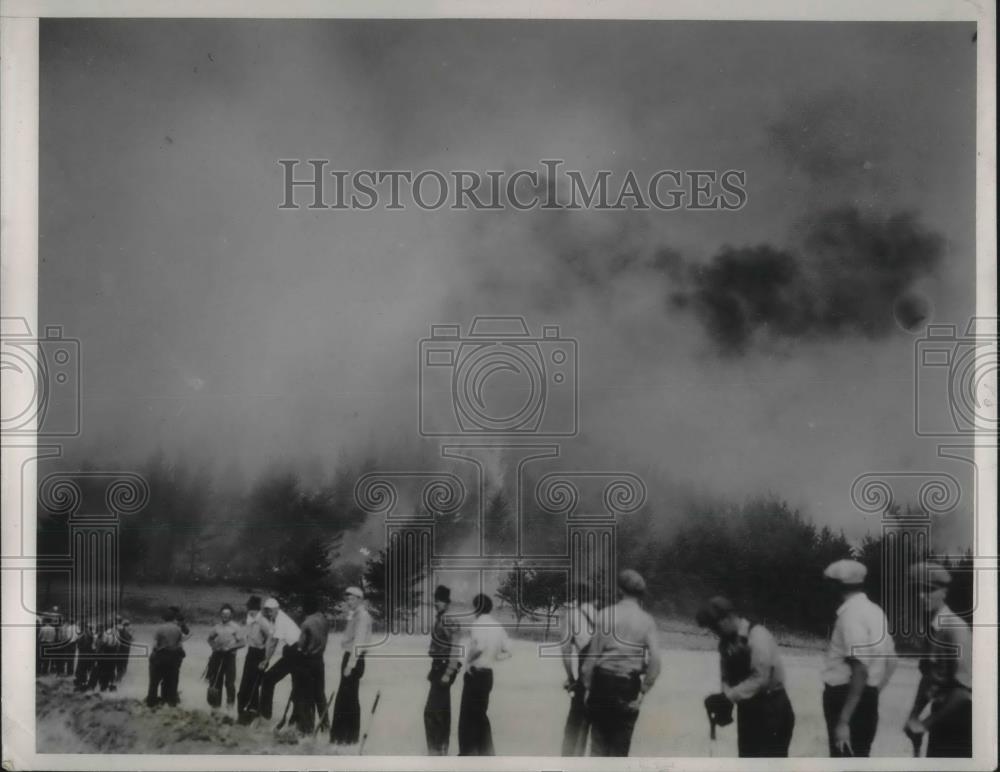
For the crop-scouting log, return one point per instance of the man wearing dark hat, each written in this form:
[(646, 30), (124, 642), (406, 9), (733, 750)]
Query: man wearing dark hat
[(946, 670), (445, 664), (580, 625), (622, 665), (753, 678), (859, 661)]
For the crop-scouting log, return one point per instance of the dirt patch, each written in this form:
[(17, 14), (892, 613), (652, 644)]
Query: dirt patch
[(71, 722)]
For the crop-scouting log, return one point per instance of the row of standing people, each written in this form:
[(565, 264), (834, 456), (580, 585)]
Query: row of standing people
[(276, 648), (858, 664), (96, 655)]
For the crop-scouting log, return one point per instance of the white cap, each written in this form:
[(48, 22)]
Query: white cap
[(846, 572), (272, 603), (355, 591)]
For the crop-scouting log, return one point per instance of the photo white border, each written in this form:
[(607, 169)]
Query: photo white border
[(19, 287)]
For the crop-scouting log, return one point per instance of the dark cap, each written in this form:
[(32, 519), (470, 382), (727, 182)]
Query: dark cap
[(482, 604), (442, 594), (930, 574), (631, 583), (713, 611), (253, 604)]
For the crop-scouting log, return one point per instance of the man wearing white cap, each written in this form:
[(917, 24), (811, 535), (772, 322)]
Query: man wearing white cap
[(345, 727), (859, 661), (945, 669), (285, 632)]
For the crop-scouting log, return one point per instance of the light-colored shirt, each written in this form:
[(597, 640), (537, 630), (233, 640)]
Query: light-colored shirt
[(947, 661), (765, 674), (358, 632), (861, 632), (625, 643), (257, 629), (487, 642), (284, 630), (47, 634)]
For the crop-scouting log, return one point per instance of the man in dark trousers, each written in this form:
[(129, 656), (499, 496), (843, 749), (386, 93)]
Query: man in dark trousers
[(85, 646), (580, 625), (165, 659), (486, 644), (124, 648), (345, 728), (106, 658), (753, 678), (312, 672), (946, 670), (859, 661), (622, 665), (225, 640), (445, 664), (257, 630), (284, 634)]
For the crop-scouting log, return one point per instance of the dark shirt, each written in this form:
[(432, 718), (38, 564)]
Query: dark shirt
[(947, 661), (443, 649), (315, 632)]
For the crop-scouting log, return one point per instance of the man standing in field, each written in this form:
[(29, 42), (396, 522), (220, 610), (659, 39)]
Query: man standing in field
[(753, 679), (257, 631), (225, 640), (859, 661), (165, 659), (124, 648), (312, 644), (345, 728), (621, 667), (946, 670), (286, 633), (445, 664), (486, 645), (580, 627)]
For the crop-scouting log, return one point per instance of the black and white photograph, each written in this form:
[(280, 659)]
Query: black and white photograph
[(539, 388)]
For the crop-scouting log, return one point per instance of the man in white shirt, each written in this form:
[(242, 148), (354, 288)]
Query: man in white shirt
[(858, 663), (284, 632), (486, 645), (580, 625), (345, 727)]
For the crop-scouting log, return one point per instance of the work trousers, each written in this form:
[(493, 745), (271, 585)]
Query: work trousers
[(764, 725), (312, 691), (577, 724), (345, 728), (283, 667), (437, 711), (475, 735), (248, 696), (222, 672), (951, 738), (612, 719), (164, 673), (863, 724)]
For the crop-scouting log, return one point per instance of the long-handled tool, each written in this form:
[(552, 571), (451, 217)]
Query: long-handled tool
[(323, 718), (364, 739), (214, 695)]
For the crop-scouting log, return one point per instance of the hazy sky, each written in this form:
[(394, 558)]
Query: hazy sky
[(214, 325)]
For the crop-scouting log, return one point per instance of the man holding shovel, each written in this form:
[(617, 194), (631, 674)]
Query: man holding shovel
[(256, 631), (225, 639)]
